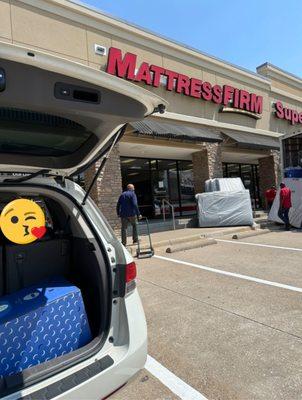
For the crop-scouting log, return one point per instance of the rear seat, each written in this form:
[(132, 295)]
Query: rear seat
[(27, 265)]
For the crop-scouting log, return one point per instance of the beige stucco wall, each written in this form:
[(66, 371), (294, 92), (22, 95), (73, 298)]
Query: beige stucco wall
[(71, 34), (287, 88), (5, 26)]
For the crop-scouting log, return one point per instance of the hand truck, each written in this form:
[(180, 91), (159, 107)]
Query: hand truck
[(145, 252)]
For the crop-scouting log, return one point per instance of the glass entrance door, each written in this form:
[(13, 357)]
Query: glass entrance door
[(164, 186), (137, 171), (156, 180)]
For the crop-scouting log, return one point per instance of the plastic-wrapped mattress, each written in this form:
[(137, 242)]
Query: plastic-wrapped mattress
[(211, 185), (224, 185), (224, 209)]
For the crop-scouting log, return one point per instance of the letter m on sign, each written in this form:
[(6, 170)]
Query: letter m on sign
[(256, 103), (119, 66)]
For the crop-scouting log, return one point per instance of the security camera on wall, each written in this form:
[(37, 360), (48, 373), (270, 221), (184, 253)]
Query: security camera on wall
[(100, 50)]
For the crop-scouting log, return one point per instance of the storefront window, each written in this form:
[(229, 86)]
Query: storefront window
[(158, 180), (292, 152), (165, 186), (249, 176), (233, 171), (186, 186), (137, 171)]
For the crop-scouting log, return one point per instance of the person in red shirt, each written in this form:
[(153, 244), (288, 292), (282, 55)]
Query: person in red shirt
[(270, 195), (285, 204)]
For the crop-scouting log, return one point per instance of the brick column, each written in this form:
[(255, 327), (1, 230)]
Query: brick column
[(269, 172), (108, 187), (207, 164)]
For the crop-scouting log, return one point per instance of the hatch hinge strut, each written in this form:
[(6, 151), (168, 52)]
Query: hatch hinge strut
[(103, 163)]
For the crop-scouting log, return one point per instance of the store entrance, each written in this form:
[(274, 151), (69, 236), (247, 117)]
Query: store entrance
[(156, 180)]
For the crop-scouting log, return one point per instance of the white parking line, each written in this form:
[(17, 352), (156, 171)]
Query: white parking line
[(233, 274), (259, 245), (171, 381)]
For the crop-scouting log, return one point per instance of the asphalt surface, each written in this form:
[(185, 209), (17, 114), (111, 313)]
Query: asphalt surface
[(227, 337)]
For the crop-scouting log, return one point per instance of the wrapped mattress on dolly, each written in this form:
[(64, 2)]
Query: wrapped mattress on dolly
[(40, 323)]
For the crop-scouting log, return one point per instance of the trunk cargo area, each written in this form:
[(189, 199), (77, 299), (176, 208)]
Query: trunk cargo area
[(52, 295)]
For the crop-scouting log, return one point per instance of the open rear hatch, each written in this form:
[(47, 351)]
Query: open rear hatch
[(59, 115)]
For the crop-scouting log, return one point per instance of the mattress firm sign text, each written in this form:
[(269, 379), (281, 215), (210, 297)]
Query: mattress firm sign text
[(126, 67), (293, 116)]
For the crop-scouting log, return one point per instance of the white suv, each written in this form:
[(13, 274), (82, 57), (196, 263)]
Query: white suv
[(57, 118)]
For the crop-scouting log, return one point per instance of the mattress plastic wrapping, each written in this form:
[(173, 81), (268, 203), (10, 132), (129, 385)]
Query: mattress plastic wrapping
[(224, 185), (224, 208), (211, 185), (295, 213)]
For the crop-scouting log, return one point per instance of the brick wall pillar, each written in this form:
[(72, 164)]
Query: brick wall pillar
[(108, 187), (207, 164), (269, 172)]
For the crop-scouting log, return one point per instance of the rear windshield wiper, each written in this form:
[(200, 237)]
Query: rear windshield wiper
[(26, 177)]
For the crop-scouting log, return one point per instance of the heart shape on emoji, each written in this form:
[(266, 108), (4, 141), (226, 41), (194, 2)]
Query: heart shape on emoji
[(38, 231)]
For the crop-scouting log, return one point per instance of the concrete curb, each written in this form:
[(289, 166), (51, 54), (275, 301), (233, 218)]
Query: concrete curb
[(179, 240), (229, 232), (198, 240), (184, 239), (190, 245), (250, 234)]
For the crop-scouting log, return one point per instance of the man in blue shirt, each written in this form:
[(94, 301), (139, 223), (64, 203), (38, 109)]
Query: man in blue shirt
[(127, 210)]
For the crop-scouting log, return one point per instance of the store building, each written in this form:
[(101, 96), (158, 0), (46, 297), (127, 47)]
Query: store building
[(222, 120)]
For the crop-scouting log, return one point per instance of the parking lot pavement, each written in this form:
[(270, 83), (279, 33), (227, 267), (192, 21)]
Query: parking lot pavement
[(144, 387), (226, 336), (279, 238), (262, 262)]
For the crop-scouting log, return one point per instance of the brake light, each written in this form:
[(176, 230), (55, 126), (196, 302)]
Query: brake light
[(130, 272), (126, 279), (130, 277)]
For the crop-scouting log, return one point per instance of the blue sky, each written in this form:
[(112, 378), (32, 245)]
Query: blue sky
[(246, 33)]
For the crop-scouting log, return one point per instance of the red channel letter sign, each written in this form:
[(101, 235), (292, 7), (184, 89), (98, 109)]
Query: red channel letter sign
[(293, 116), (126, 67)]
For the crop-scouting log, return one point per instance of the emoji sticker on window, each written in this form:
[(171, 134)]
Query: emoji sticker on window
[(22, 221)]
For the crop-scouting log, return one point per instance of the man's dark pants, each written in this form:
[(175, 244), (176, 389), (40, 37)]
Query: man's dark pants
[(283, 214), (125, 222)]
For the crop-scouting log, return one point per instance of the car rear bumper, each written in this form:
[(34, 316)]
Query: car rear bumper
[(125, 365)]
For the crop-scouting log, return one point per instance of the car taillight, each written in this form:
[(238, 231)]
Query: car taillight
[(130, 272), (130, 277)]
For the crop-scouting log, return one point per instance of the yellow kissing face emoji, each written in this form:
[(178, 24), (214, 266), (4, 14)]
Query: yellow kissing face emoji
[(22, 221)]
